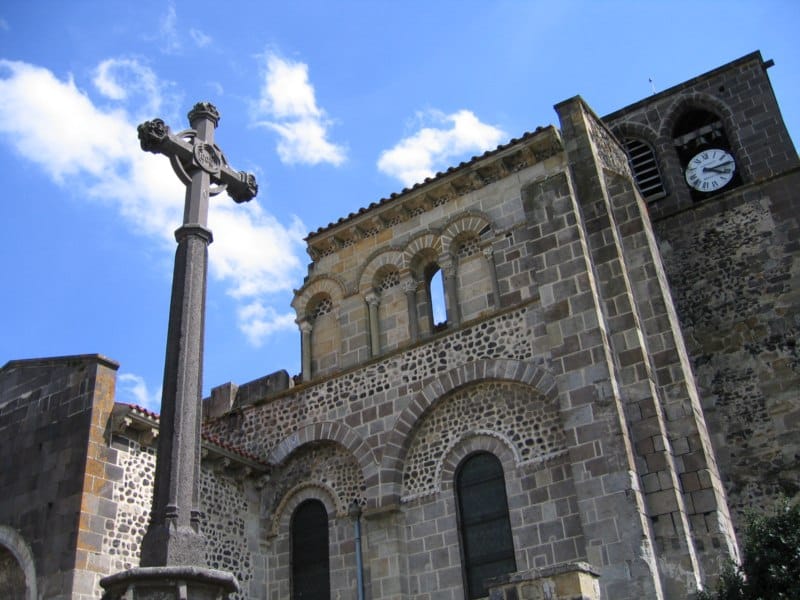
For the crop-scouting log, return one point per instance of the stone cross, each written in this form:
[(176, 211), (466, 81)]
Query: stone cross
[(173, 537)]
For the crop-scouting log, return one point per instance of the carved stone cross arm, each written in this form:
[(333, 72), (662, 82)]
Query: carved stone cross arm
[(194, 149)]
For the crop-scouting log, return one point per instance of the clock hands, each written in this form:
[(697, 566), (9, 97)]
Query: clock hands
[(718, 168), (710, 170)]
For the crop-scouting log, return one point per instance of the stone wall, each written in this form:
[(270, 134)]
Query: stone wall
[(734, 267), (565, 361), (55, 483), (741, 94), (229, 512), (76, 504)]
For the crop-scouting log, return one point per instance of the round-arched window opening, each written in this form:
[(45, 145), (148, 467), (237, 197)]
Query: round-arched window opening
[(705, 154), (438, 304)]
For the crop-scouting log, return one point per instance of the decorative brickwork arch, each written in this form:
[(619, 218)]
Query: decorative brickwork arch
[(467, 240), (426, 263), (317, 308), (472, 222), (16, 549), (322, 284), (647, 154), (636, 130), (330, 431), (397, 445), (281, 520), (375, 263), (469, 443), (426, 244), (699, 101)]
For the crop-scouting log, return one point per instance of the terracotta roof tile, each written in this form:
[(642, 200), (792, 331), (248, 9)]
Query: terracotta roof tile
[(206, 436)]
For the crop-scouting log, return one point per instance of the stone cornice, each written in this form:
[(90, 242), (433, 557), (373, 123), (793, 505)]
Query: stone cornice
[(467, 177)]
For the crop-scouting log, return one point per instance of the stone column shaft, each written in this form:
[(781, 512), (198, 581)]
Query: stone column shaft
[(173, 537), (451, 292), (305, 348), (410, 289), (488, 252), (373, 302)]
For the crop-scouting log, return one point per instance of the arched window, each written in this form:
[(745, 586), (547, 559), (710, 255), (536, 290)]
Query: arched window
[(703, 147), (487, 548), (645, 168), (310, 565), (436, 296), (12, 577)]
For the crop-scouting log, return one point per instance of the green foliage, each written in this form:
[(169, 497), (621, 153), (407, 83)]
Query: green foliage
[(770, 568)]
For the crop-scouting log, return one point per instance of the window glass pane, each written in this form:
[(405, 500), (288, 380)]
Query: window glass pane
[(437, 298), (310, 567), (486, 542)]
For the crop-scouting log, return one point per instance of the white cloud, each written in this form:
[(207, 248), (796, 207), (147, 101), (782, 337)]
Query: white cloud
[(168, 31), (251, 249), (217, 87), (258, 321), (200, 39), (304, 142), (414, 158), (94, 153), (132, 389), (122, 78), (287, 105)]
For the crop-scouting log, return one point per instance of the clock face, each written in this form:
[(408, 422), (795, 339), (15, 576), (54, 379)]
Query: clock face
[(710, 170)]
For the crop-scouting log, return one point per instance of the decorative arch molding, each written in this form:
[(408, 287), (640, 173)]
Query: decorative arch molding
[(391, 471), (379, 259), (656, 145), (470, 222), (469, 443), (281, 520), (19, 549), (430, 241), (474, 441), (328, 284), (702, 101), (329, 431), (638, 131)]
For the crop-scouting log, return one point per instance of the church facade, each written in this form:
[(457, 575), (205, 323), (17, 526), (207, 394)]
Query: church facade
[(614, 380)]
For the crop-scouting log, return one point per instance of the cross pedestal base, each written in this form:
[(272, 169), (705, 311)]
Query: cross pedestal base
[(169, 583)]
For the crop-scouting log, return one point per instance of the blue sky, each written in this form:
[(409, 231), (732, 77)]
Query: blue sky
[(333, 105)]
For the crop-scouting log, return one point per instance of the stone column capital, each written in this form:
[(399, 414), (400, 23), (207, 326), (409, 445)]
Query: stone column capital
[(409, 284), (204, 233), (372, 298)]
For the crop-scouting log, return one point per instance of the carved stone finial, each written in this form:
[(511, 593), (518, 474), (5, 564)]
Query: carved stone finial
[(204, 110), (152, 135), (247, 190)]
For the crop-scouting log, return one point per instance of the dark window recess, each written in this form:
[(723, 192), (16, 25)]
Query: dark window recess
[(696, 131), (645, 169), (487, 547), (310, 566)]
